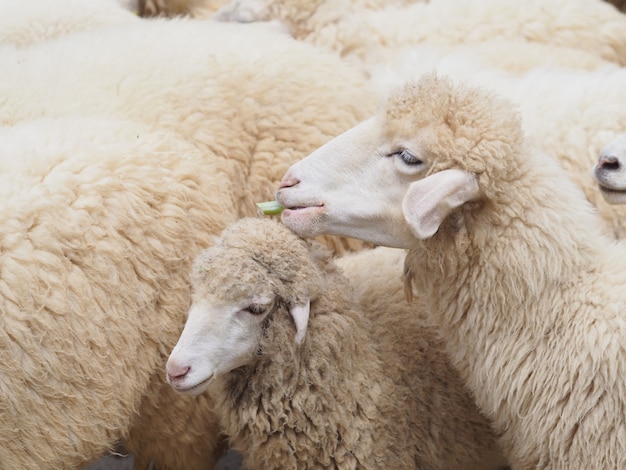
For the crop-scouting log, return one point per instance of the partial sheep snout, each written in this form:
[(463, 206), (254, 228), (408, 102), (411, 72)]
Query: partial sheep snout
[(176, 372), (608, 163)]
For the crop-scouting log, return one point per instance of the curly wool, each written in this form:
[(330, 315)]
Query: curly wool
[(95, 253), (225, 108), (30, 22)]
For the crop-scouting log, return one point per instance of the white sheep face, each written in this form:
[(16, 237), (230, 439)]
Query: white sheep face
[(218, 337), (610, 171), (353, 186)]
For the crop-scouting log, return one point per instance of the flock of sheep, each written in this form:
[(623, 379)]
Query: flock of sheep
[(445, 288)]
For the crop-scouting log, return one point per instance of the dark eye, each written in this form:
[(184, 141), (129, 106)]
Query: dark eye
[(256, 309), (407, 157)]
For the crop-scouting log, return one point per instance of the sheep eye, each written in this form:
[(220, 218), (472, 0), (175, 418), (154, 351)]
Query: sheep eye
[(256, 309), (408, 158)]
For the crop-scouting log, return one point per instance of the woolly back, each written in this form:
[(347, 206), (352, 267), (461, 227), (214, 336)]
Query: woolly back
[(97, 243)]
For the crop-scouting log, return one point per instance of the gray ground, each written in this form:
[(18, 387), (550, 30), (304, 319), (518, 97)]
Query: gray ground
[(230, 461)]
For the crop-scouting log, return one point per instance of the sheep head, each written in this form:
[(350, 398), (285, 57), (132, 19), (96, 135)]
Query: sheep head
[(379, 182), (610, 171), (257, 270)]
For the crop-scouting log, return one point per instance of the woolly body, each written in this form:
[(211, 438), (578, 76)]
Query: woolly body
[(95, 253), (369, 34), (29, 22), (213, 95)]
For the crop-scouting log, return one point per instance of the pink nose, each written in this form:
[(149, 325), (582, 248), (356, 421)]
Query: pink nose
[(609, 163), (288, 182), (176, 372)]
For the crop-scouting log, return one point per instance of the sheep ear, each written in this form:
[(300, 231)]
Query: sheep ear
[(300, 315), (429, 201)]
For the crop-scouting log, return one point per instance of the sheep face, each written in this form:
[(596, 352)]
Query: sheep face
[(219, 336), (366, 182), (255, 272), (610, 171), (352, 186)]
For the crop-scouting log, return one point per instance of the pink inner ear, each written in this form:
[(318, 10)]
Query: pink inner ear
[(300, 315), (429, 201)]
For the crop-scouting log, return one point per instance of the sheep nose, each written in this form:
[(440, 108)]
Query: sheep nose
[(176, 372), (288, 182), (608, 163)]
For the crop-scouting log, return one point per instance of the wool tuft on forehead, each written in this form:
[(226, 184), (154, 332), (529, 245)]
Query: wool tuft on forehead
[(263, 251), (463, 126)]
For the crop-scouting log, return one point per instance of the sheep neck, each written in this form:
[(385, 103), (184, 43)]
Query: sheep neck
[(498, 277)]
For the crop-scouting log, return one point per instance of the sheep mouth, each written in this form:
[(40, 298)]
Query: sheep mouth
[(304, 209), (613, 195), (197, 388), (607, 189)]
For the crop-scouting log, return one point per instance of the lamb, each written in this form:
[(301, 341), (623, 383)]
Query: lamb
[(28, 22), (526, 290), (116, 168), (609, 171), (367, 34), (303, 378)]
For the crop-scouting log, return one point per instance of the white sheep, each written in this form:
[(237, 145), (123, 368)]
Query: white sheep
[(28, 22), (368, 34), (504, 249), (610, 171), (304, 377), (211, 95), (116, 168)]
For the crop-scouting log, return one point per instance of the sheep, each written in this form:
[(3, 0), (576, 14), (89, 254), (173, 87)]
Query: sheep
[(221, 96), (524, 287), (348, 29), (609, 171), (28, 22), (116, 168), (304, 378)]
